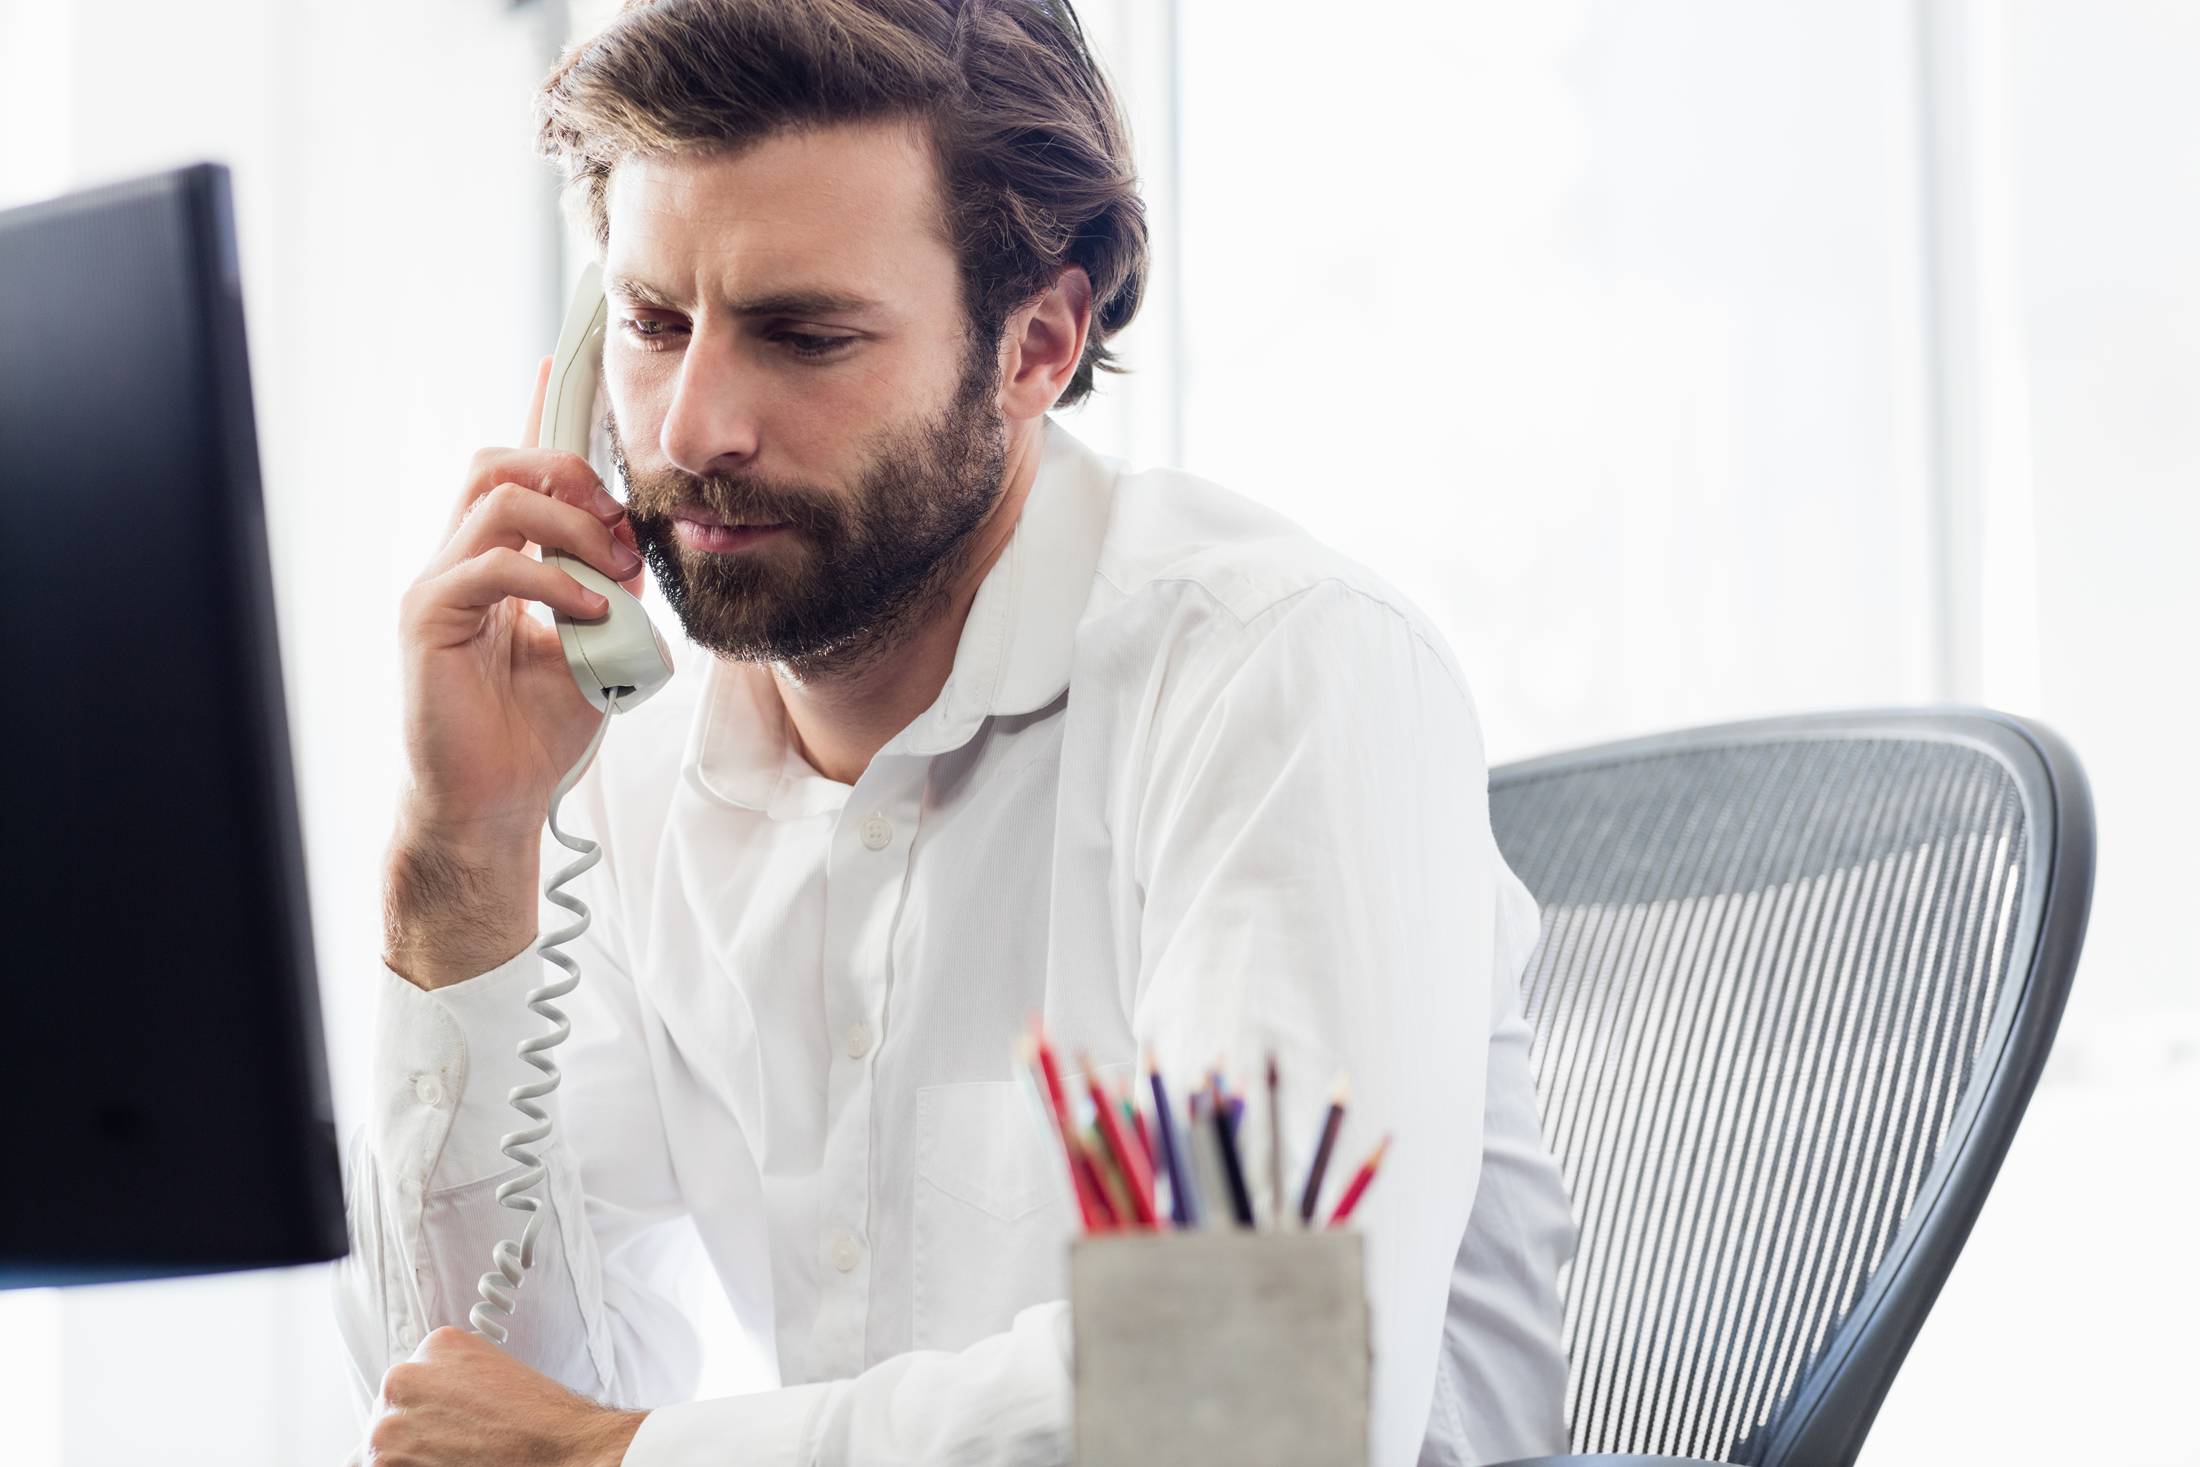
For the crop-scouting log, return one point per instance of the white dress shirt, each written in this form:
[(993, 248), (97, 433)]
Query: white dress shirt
[(1196, 785)]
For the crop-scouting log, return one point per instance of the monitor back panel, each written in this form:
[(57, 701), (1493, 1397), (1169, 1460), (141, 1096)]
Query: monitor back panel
[(163, 1100)]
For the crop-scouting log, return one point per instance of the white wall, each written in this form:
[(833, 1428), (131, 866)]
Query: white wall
[(2065, 1333), (1589, 325), (2109, 153)]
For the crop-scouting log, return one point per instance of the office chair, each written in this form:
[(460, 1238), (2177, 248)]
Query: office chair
[(1796, 982)]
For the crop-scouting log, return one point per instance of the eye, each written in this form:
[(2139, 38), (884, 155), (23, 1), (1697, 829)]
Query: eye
[(652, 333), (812, 345)]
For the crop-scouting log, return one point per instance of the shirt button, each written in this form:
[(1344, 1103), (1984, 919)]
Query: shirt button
[(847, 1252), (859, 1039), (428, 1090), (407, 1336), (877, 832)]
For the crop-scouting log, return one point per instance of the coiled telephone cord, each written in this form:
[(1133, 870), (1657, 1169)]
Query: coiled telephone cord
[(513, 1259)]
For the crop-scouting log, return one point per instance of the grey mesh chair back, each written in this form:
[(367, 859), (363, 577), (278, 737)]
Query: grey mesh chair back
[(1796, 981)]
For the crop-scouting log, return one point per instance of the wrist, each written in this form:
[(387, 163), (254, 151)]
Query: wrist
[(491, 840)]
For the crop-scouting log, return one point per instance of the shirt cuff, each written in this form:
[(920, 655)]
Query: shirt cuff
[(736, 1431), (444, 1062)]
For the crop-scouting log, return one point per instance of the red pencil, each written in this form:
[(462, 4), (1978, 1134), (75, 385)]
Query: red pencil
[(1137, 1174), (1057, 1096), (1137, 1118), (1366, 1174), (1092, 1198), (1087, 1169)]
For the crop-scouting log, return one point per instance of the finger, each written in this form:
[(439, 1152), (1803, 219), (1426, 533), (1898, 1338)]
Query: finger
[(532, 433), (495, 576), (623, 532), (443, 1346), (510, 516), (546, 471), (449, 1340), (402, 1384)]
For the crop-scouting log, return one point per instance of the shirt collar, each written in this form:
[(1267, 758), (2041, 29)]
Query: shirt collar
[(1017, 643), (1014, 656)]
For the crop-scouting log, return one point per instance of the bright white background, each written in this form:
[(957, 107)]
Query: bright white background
[(1688, 361)]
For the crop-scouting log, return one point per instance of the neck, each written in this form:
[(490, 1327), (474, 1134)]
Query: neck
[(846, 706)]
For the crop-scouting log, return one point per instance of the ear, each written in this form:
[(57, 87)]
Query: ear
[(1042, 345)]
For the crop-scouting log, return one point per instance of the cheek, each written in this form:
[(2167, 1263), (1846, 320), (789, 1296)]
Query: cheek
[(638, 390), (823, 418), (842, 416)]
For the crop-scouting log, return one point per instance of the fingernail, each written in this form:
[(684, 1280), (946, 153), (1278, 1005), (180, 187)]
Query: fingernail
[(608, 508), (628, 561)]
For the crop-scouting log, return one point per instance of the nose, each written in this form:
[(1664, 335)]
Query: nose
[(709, 427)]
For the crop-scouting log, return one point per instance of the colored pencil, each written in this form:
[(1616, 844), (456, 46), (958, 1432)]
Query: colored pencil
[(1137, 1175), (1205, 1165), (1366, 1174), (1233, 1171), (1092, 1198), (1171, 1157), (1027, 1080), (1311, 1195), (1275, 1148), (1135, 1119), (1111, 1180), (1057, 1094), (1028, 1065), (1110, 1208)]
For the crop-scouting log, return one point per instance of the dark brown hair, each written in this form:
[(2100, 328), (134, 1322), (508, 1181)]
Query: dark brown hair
[(1031, 148)]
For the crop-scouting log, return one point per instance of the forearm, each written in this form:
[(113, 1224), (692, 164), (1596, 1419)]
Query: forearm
[(456, 906)]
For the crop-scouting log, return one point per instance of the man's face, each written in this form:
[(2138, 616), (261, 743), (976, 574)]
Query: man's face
[(809, 433)]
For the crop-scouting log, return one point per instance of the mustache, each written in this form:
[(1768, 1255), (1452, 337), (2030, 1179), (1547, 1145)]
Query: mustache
[(657, 496)]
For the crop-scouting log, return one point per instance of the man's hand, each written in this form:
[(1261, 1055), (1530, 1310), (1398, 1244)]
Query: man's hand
[(492, 717), (462, 1402)]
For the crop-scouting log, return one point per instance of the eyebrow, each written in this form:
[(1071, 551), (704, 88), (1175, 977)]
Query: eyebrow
[(786, 303)]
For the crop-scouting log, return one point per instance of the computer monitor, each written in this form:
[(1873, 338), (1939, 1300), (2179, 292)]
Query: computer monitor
[(164, 1103)]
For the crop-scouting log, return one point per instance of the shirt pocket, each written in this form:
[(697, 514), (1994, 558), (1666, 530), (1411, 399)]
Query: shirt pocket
[(993, 1218)]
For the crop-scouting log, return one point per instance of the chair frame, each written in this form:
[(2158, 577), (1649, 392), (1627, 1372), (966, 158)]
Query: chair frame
[(1838, 1396)]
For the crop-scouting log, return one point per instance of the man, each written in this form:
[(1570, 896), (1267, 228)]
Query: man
[(980, 727)]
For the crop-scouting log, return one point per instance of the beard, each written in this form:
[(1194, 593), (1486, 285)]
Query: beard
[(865, 557)]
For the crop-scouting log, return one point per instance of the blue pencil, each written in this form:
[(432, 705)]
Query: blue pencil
[(1172, 1161), (1233, 1174)]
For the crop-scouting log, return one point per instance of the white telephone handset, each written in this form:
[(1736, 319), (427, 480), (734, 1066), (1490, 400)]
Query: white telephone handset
[(618, 657), (619, 661)]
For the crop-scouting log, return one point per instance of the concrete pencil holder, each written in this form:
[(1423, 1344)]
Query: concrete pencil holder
[(1220, 1348)]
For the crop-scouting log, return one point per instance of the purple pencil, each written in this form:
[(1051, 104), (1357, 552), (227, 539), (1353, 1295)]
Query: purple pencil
[(1310, 1196), (1172, 1154)]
